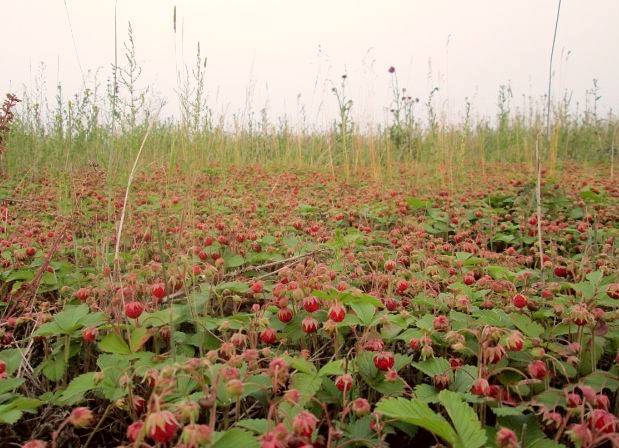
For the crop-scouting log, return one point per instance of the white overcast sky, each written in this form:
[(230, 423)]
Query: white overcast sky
[(280, 49)]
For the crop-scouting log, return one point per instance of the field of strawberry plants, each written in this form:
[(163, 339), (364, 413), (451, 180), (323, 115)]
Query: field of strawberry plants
[(248, 307)]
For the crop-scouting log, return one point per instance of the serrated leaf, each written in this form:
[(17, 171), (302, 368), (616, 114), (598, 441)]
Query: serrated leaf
[(139, 336), (235, 438), (68, 319), (307, 385), (76, 389), (10, 384), (417, 413), (526, 325), (465, 420), (364, 311), (332, 368), (256, 425), (433, 366), (113, 343), (54, 368)]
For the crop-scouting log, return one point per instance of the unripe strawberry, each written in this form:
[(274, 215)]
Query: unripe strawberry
[(573, 400), (133, 310), (309, 325), (81, 417), (519, 301), (602, 402), (304, 424), (384, 361), (361, 407), (515, 341), (580, 315), (581, 434), (552, 420), (441, 381), (481, 387), (35, 443), (195, 435), (235, 387), (506, 438), (493, 354), (441, 323)]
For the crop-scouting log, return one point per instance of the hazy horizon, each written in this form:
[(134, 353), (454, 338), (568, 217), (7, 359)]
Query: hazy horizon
[(288, 54)]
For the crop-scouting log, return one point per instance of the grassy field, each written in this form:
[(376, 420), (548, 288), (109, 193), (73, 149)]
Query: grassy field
[(190, 283)]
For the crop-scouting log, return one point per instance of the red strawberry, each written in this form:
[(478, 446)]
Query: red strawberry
[(309, 325), (384, 361), (519, 301), (284, 315), (344, 382), (337, 313), (158, 291), (133, 310), (161, 426), (268, 336), (311, 304)]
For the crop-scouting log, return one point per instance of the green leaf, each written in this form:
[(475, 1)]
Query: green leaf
[(332, 368), (236, 287), (418, 203), (74, 393), (464, 419), (307, 385), (233, 261), (12, 357), (302, 365), (68, 319), (54, 368), (433, 366), (417, 413), (255, 425), (364, 311), (12, 411), (235, 438), (113, 343), (10, 384), (139, 336), (526, 325)]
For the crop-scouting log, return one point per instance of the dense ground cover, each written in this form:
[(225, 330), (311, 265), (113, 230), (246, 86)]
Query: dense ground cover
[(278, 308)]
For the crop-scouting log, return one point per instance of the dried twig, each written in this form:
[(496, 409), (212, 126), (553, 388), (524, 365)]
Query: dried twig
[(286, 262)]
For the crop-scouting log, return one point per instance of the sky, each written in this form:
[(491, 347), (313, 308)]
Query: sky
[(285, 56)]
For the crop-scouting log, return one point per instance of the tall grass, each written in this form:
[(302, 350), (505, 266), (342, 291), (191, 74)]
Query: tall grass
[(104, 126)]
